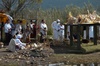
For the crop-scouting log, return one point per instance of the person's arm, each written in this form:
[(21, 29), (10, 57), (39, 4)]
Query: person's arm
[(53, 25), (5, 27), (18, 42)]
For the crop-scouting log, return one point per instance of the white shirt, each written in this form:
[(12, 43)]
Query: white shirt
[(7, 27), (62, 29), (18, 28), (20, 44), (55, 25), (43, 26)]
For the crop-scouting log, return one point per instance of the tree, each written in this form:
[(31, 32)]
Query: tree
[(15, 6)]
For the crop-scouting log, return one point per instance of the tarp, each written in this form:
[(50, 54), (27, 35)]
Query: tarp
[(3, 18)]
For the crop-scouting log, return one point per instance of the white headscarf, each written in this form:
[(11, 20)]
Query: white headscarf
[(18, 36), (58, 20)]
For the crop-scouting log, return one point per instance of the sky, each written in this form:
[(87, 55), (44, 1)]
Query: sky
[(64, 3)]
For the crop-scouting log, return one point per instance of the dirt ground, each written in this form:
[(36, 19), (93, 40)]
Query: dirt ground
[(52, 55)]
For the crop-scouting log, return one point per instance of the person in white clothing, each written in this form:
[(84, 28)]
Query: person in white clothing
[(20, 44), (43, 31), (18, 28), (91, 33), (15, 44), (55, 26), (7, 30), (61, 32)]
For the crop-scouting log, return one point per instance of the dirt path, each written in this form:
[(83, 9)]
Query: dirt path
[(68, 58)]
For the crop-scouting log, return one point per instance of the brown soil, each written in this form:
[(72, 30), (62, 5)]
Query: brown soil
[(58, 54)]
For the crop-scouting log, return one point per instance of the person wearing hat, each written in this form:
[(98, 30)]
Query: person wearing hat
[(19, 43), (55, 26), (16, 44)]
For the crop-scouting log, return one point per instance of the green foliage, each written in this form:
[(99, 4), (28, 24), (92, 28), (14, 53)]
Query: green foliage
[(53, 14)]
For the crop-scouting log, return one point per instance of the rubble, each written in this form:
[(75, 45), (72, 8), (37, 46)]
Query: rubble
[(39, 53)]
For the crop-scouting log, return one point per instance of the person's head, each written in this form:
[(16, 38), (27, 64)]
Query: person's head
[(19, 36), (42, 21), (58, 20), (61, 23), (7, 21), (33, 21), (14, 36), (13, 21), (19, 21)]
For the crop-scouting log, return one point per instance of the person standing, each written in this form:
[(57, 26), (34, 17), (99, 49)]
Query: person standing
[(55, 26), (33, 28), (61, 32), (7, 30), (13, 25), (43, 31), (18, 28)]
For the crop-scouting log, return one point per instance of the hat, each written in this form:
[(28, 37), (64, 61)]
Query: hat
[(58, 20), (19, 36)]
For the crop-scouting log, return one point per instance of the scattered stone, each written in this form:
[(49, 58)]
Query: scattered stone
[(1, 44)]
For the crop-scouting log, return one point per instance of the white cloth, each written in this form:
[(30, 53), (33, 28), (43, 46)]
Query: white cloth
[(12, 45), (55, 27), (84, 36), (20, 44), (91, 33), (42, 27), (18, 28), (10, 18), (99, 31), (68, 32), (61, 32), (7, 28), (68, 29), (19, 36)]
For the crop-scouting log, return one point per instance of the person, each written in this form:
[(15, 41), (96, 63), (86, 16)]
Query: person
[(19, 43), (55, 27), (18, 28), (12, 45), (27, 32), (7, 30), (91, 28), (33, 28), (43, 30), (61, 32), (16, 44), (13, 25), (91, 33)]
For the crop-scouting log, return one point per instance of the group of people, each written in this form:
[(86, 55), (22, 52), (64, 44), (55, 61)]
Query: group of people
[(58, 30), (15, 32), (18, 36)]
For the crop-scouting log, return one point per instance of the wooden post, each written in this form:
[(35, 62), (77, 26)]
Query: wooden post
[(78, 40), (71, 35), (95, 34), (65, 31), (87, 32), (1, 31)]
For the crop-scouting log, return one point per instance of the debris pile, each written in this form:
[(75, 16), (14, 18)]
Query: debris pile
[(89, 18)]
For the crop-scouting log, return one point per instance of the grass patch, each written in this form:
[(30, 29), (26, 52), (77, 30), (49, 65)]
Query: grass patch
[(90, 47)]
